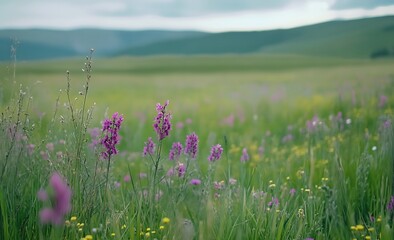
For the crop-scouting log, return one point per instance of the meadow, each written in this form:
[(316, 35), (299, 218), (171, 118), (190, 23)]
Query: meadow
[(306, 148)]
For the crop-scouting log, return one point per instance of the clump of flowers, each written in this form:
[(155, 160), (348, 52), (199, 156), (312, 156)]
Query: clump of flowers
[(216, 153), (60, 201), (191, 146), (175, 151), (149, 148), (162, 124), (111, 135)]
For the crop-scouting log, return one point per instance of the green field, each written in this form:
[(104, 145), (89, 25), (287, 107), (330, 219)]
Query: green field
[(340, 167)]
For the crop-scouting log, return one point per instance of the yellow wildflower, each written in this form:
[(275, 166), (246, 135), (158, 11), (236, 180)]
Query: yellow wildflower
[(165, 220), (359, 227), (88, 237)]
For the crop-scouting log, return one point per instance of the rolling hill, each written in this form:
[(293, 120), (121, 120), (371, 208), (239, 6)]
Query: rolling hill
[(47, 44), (362, 38), (354, 39)]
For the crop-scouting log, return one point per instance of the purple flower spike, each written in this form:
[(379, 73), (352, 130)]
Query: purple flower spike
[(191, 147), (162, 124), (216, 153), (390, 205), (61, 201), (175, 151), (181, 168), (149, 148), (245, 155), (111, 135)]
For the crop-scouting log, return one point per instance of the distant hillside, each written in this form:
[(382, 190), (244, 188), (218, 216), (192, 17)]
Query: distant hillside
[(361, 38), (44, 44)]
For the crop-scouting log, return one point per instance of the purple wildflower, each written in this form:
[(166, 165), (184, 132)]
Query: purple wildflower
[(61, 201), (191, 146), (287, 138), (292, 191), (127, 178), (50, 146), (111, 135), (274, 202), (162, 124), (245, 155), (232, 181), (218, 185), (181, 168), (195, 182), (216, 152), (382, 101), (30, 149), (390, 205), (95, 136), (149, 148), (175, 151), (42, 195)]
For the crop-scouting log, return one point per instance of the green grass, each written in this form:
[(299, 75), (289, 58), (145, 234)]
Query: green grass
[(339, 179)]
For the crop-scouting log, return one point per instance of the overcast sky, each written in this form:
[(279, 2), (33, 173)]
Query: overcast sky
[(206, 15)]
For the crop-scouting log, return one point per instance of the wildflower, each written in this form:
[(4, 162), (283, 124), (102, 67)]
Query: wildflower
[(218, 185), (287, 138), (181, 168), (359, 227), (232, 181), (149, 147), (50, 147), (117, 184), (162, 124), (216, 152), (191, 146), (382, 101), (353, 228), (245, 155), (374, 148), (61, 202), (175, 151), (390, 205), (73, 219), (179, 125), (111, 135), (348, 121), (274, 202), (42, 195), (127, 178), (367, 237), (30, 149), (161, 227), (112, 234), (88, 237), (195, 182), (292, 191), (165, 220), (147, 234), (95, 136)]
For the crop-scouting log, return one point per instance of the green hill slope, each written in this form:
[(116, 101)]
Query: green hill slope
[(354, 39), (78, 42)]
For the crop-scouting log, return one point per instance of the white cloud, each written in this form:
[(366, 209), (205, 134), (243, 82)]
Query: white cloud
[(104, 14)]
